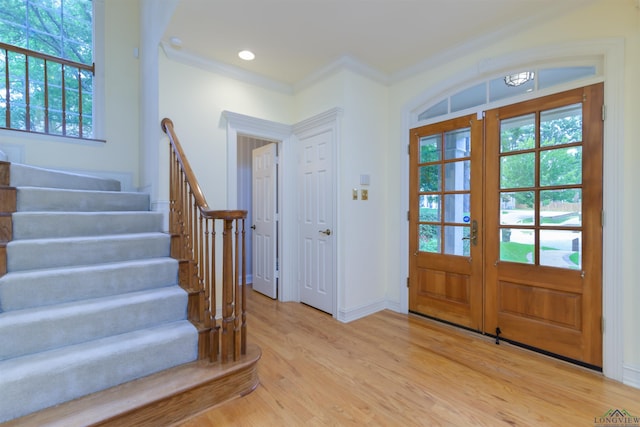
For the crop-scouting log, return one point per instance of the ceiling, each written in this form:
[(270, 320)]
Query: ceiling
[(295, 39)]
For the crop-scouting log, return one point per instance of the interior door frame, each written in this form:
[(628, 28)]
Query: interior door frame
[(237, 123), (327, 122), (281, 134), (611, 54)]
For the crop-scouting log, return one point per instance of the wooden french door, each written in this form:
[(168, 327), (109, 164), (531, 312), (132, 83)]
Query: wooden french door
[(539, 229), (446, 221), (544, 251)]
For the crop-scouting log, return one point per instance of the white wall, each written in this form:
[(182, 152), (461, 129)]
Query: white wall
[(118, 156), (363, 235), (194, 100), (373, 139)]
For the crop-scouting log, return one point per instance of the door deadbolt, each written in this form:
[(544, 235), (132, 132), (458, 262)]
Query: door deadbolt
[(473, 234)]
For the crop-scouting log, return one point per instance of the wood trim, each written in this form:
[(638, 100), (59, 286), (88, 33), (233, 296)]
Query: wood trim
[(164, 398), (8, 204)]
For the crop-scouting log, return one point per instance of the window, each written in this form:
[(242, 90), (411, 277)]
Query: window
[(46, 57), (498, 89)]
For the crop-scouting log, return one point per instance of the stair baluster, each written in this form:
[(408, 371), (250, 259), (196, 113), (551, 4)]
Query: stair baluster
[(192, 226)]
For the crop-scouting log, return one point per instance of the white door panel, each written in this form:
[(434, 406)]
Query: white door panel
[(264, 226), (316, 222)]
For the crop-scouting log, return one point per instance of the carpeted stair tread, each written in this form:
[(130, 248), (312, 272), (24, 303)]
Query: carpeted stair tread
[(34, 199), (34, 288), (91, 298), (41, 380), (33, 176), (44, 328), (73, 251), (38, 225)]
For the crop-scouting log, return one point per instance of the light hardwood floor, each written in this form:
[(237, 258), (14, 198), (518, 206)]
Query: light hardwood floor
[(390, 369)]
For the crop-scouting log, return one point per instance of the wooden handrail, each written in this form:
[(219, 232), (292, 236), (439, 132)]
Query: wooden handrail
[(192, 224)]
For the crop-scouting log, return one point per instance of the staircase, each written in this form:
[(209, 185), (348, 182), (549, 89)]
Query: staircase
[(90, 298)]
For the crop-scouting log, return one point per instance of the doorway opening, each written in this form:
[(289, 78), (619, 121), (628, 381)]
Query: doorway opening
[(261, 204)]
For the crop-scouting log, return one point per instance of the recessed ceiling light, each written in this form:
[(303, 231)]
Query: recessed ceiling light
[(247, 55)]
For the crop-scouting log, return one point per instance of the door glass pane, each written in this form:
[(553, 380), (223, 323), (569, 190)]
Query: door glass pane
[(561, 207), (561, 166), (561, 125), (561, 248), (517, 245), (453, 241), (518, 133), (457, 176), (429, 178), (456, 208), (430, 148), (517, 171), (517, 208), (429, 208), (457, 144), (429, 238)]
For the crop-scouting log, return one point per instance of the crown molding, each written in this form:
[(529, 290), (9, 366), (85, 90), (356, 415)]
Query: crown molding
[(189, 58), (345, 62), (351, 63)]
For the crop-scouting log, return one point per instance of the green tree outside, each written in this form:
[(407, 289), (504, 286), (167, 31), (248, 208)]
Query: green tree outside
[(61, 28)]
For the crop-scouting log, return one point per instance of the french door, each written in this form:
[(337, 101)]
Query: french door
[(446, 221), (533, 223)]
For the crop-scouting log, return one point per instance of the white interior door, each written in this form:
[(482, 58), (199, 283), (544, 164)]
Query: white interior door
[(264, 170), (316, 254)]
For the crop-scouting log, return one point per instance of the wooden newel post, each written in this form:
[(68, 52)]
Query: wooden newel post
[(227, 291)]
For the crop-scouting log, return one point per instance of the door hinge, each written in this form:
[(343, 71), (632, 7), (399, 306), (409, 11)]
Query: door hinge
[(409, 149), (408, 216), (602, 218), (604, 112), (408, 282), (602, 325)]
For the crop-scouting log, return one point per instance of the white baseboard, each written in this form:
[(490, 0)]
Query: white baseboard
[(631, 376), (14, 152), (163, 207), (350, 315), (395, 306)]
